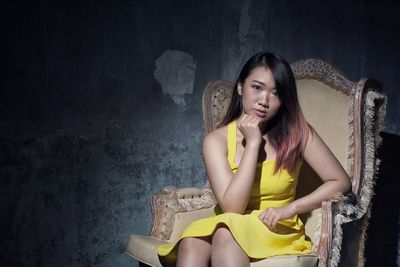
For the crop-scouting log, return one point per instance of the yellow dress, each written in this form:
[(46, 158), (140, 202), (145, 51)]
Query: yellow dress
[(252, 235)]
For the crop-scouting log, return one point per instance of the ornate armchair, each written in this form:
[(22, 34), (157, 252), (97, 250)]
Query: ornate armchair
[(348, 116)]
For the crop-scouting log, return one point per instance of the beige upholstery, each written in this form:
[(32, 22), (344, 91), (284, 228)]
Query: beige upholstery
[(334, 109), (348, 116), (143, 248)]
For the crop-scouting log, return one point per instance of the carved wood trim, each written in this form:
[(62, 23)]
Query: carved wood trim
[(324, 72), (328, 209), (358, 142), (215, 90), (164, 208)]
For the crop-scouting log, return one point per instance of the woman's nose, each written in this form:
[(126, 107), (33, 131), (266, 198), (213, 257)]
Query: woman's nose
[(264, 100)]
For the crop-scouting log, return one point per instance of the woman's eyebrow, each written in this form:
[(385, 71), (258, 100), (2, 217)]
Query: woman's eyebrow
[(258, 82)]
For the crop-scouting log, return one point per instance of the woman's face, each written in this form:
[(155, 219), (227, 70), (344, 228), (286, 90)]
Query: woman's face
[(259, 94)]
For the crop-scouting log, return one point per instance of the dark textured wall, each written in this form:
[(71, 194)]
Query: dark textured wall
[(89, 130)]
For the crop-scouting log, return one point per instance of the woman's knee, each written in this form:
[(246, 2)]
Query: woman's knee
[(186, 245), (226, 251), (193, 245), (222, 236), (193, 252)]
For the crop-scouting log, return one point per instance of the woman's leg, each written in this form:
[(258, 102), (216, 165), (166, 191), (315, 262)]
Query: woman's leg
[(226, 251), (194, 251)]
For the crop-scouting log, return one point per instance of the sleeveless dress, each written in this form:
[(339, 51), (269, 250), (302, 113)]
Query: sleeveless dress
[(252, 235)]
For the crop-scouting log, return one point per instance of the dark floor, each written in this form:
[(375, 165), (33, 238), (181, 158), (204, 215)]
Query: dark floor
[(383, 232)]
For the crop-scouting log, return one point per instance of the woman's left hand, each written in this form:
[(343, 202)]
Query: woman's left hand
[(271, 216)]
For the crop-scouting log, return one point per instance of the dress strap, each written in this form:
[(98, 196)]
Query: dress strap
[(232, 142)]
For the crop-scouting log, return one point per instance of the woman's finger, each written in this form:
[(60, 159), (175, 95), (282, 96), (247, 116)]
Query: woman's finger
[(274, 222), (262, 216)]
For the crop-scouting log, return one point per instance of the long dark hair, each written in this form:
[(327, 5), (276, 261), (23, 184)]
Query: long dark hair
[(288, 131)]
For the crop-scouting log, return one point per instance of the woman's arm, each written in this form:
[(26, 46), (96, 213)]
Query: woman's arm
[(232, 191), (324, 163), (334, 177)]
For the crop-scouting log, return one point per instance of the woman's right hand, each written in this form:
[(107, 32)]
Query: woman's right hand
[(249, 126)]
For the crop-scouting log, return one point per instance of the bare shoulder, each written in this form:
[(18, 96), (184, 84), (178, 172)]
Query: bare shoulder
[(216, 139), (313, 136)]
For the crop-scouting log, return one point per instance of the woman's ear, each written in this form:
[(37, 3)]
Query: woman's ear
[(239, 88)]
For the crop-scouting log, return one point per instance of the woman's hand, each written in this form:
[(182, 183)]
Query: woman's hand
[(249, 126), (271, 216)]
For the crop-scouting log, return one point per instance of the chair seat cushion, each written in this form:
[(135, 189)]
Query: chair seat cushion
[(298, 260), (143, 248)]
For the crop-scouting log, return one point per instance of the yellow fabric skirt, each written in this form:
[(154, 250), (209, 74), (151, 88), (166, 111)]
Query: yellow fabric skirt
[(252, 235)]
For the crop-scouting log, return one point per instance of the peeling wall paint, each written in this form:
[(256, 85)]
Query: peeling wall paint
[(175, 71)]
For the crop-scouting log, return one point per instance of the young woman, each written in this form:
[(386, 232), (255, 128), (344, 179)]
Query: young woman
[(252, 162)]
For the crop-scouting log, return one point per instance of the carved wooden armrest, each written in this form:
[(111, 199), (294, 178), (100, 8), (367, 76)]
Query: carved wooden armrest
[(165, 206), (329, 209), (188, 192)]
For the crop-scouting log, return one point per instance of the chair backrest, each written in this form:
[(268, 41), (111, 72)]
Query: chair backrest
[(327, 102), (332, 104)]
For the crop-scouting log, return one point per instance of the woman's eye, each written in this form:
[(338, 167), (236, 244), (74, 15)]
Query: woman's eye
[(274, 92), (257, 87)]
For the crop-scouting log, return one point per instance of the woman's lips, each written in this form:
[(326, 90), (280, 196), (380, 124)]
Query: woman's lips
[(261, 113)]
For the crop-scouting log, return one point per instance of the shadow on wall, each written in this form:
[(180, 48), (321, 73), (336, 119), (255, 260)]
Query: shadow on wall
[(383, 231)]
